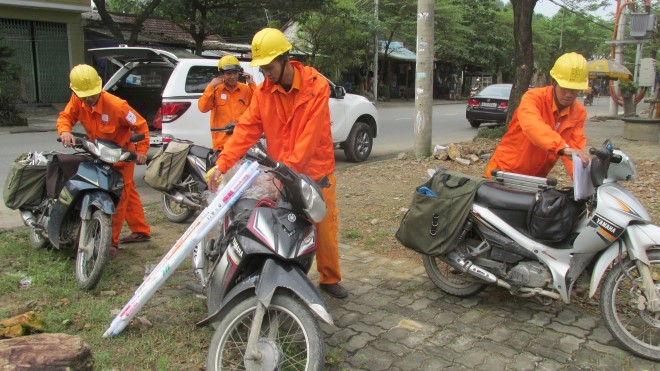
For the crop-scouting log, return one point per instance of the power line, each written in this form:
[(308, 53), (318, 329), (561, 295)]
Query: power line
[(581, 13)]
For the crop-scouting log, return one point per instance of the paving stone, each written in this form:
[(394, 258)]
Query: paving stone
[(572, 330), (411, 361), (550, 365), (586, 322), (346, 319), (570, 344), (525, 361), (566, 317), (497, 348), (370, 359), (477, 356), (444, 318), (601, 335), (340, 338), (420, 304), (358, 342), (435, 364), (540, 319), (494, 362), (396, 349), (463, 343), (368, 329)]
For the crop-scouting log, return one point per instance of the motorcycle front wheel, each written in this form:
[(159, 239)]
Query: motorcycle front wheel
[(174, 211), (90, 263), (290, 337), (451, 280), (638, 330)]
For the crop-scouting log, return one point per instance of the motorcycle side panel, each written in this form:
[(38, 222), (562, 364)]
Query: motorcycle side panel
[(616, 209)]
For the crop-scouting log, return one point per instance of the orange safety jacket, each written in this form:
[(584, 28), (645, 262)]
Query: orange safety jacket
[(536, 134), (302, 140), (110, 119), (226, 107)]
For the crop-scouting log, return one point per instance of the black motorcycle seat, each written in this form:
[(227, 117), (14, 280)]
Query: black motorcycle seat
[(199, 151), (497, 196)]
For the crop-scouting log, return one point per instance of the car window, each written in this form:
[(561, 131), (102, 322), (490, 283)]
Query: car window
[(497, 91), (199, 77), (146, 76)]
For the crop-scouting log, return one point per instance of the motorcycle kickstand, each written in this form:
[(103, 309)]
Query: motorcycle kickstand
[(252, 353)]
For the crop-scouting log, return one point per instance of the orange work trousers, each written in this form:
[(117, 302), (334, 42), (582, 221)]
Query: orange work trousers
[(129, 207), (327, 254)]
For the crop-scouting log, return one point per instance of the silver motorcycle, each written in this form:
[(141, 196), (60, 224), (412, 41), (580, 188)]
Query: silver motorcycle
[(613, 239)]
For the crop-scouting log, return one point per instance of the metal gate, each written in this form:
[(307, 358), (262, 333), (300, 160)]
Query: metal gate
[(41, 50)]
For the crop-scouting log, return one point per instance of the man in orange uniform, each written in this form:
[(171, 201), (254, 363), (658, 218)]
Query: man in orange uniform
[(291, 109), (548, 123), (105, 116), (226, 98)]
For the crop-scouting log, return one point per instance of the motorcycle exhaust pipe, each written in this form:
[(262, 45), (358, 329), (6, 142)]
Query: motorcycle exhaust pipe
[(28, 218), (466, 266), (181, 199)]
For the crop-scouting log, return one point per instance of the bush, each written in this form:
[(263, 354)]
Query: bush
[(9, 76)]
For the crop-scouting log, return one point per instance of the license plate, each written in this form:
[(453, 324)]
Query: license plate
[(489, 105), (155, 140)]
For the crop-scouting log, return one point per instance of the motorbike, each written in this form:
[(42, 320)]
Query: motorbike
[(613, 238), (77, 214), (589, 99), (260, 301), (185, 198)]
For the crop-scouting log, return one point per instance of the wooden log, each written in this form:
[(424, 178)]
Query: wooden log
[(45, 352)]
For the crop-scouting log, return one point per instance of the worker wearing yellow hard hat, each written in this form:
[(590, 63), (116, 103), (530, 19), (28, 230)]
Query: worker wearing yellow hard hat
[(226, 97), (548, 124)]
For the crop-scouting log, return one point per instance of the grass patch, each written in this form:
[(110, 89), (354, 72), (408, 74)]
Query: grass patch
[(352, 234), (492, 132), (171, 342)]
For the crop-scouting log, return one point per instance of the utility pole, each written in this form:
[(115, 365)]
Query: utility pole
[(376, 51), (424, 78)]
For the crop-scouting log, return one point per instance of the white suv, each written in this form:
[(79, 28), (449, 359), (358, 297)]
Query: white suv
[(164, 87)]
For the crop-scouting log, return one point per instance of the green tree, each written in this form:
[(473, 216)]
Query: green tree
[(146, 8), (9, 76)]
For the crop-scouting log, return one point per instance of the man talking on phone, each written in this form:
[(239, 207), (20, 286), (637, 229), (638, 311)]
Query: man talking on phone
[(226, 97)]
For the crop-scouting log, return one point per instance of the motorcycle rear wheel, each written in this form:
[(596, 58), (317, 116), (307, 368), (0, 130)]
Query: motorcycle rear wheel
[(174, 211), (90, 267), (451, 280), (638, 330), (290, 338)]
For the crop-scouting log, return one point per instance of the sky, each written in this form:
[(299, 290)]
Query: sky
[(549, 9)]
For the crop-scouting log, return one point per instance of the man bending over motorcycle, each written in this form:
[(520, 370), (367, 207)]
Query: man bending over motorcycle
[(291, 109), (547, 124), (105, 116)]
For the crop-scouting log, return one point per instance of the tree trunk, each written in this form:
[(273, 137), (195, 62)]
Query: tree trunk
[(116, 30), (45, 352), (523, 10)]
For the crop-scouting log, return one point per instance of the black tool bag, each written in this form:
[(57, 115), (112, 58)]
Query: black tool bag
[(553, 215), (438, 211)]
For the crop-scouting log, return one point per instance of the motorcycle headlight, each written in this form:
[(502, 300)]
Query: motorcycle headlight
[(315, 208), (109, 154)]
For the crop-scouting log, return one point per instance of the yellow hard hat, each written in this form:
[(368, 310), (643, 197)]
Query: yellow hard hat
[(228, 62), (267, 44), (570, 71), (85, 81)]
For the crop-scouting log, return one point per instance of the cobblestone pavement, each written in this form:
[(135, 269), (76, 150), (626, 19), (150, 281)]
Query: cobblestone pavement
[(395, 318)]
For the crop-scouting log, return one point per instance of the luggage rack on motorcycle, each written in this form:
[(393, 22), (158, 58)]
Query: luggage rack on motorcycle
[(523, 182)]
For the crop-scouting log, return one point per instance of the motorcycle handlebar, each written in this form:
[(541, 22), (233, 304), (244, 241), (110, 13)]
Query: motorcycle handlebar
[(229, 129)]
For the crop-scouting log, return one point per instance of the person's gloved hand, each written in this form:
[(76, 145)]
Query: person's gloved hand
[(213, 178)]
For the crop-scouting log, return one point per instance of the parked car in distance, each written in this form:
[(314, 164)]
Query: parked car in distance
[(489, 105), (183, 78)]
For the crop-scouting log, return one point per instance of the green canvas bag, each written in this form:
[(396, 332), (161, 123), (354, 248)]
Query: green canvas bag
[(25, 184), (438, 211), (166, 167)]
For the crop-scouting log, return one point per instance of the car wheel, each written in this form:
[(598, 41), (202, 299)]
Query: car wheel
[(475, 123), (359, 142)]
